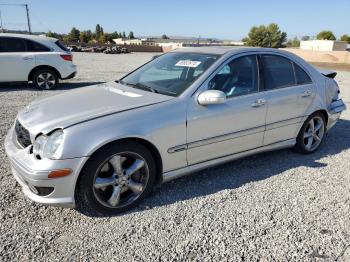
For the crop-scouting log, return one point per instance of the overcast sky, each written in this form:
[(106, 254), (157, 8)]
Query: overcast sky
[(222, 19)]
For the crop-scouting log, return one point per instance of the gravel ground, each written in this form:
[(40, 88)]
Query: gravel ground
[(274, 206)]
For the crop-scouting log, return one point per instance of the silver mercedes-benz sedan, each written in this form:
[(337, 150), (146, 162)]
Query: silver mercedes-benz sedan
[(102, 148)]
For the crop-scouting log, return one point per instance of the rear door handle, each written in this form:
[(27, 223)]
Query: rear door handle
[(27, 58), (259, 102), (307, 93)]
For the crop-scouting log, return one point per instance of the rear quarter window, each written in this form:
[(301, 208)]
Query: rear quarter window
[(62, 46), (302, 77)]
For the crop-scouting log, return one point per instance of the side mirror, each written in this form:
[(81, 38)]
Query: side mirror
[(211, 97)]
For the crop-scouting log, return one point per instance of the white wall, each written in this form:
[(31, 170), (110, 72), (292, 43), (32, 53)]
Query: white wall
[(323, 45)]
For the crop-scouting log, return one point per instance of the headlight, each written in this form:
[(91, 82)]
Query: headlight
[(48, 146)]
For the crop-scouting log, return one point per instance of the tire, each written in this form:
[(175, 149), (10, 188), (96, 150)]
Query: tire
[(105, 186), (308, 139), (45, 79)]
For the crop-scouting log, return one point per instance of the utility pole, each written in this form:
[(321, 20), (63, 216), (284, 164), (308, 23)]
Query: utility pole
[(28, 19), (1, 27), (27, 11)]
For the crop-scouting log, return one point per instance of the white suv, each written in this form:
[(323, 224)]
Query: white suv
[(38, 59)]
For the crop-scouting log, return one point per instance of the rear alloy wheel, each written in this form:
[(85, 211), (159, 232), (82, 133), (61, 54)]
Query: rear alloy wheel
[(311, 134), (45, 79), (116, 179)]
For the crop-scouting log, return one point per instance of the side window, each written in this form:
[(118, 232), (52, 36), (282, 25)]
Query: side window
[(302, 77), (36, 47), (9, 44), (238, 77), (278, 72)]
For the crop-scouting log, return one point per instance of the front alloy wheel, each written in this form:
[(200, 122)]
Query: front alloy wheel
[(115, 179), (121, 179)]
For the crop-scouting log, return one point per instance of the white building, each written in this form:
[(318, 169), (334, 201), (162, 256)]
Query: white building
[(230, 42), (323, 45), (171, 44), (127, 41)]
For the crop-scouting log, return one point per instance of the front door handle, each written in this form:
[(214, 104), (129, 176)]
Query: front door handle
[(307, 93), (27, 58), (259, 102)]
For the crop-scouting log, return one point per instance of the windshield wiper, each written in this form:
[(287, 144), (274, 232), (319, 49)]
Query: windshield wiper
[(141, 86), (145, 87), (163, 92)]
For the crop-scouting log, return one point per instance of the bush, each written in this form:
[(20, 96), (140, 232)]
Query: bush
[(293, 42), (345, 38)]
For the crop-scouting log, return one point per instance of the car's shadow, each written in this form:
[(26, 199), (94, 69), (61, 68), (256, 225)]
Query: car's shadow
[(239, 172), (29, 87)]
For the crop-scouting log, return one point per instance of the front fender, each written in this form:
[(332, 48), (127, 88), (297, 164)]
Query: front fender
[(164, 131)]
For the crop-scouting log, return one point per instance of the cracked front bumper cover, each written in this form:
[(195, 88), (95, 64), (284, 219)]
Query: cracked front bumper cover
[(31, 173)]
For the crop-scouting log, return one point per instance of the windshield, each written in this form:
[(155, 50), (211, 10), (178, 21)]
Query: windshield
[(170, 74)]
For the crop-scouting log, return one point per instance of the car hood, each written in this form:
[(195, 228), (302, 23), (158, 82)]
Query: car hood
[(84, 104)]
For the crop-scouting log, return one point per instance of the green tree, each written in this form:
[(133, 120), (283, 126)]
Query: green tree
[(113, 35), (293, 42), (266, 36), (131, 35), (123, 35), (326, 35), (73, 36), (89, 35), (98, 31), (103, 38), (66, 39), (305, 38), (164, 36), (54, 35), (83, 38), (345, 38), (50, 34)]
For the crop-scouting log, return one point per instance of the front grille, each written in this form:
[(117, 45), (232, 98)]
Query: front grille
[(22, 134)]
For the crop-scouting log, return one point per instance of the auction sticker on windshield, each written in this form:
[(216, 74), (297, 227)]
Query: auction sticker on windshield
[(188, 63)]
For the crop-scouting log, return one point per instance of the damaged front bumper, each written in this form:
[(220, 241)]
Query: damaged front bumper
[(32, 175)]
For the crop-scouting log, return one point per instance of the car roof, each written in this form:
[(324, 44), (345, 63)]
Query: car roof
[(221, 50), (32, 37)]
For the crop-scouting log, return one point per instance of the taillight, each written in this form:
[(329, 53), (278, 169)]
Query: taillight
[(67, 57)]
